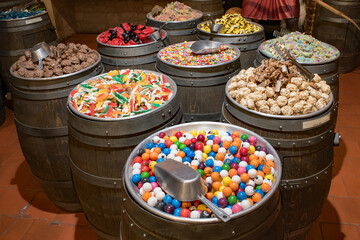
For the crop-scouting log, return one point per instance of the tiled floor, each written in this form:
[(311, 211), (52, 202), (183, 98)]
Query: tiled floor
[(26, 213)]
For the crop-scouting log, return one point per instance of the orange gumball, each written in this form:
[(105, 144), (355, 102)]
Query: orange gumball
[(186, 204), (208, 171), (234, 186), (194, 167), (166, 138), (266, 169), (265, 187), (220, 156), (209, 195), (236, 144), (181, 154), (153, 156), (148, 150), (261, 173), (250, 200), (215, 147), (238, 140), (262, 160), (227, 191), (232, 172), (226, 144), (270, 163), (255, 163), (256, 197), (253, 157), (145, 156), (157, 150), (236, 133), (216, 185), (244, 177), (146, 196), (215, 176)]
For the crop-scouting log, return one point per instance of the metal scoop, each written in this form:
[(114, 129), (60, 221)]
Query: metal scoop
[(205, 47), (39, 52), (156, 35), (185, 184), (214, 27)]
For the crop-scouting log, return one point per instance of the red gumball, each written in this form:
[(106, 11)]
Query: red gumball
[(178, 134), (237, 154), (187, 142), (168, 143), (199, 146), (185, 213), (139, 185), (200, 137), (193, 140), (145, 169), (243, 151), (137, 159), (151, 174)]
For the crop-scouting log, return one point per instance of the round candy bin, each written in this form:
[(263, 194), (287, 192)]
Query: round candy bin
[(250, 196), (108, 116), (298, 121), (40, 98)]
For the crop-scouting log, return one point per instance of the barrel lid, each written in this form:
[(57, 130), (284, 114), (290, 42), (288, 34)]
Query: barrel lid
[(166, 79), (235, 49), (262, 49), (261, 31), (150, 21), (57, 77), (207, 126), (304, 116)]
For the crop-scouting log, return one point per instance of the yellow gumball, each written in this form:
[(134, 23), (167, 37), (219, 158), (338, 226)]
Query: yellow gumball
[(193, 132), (173, 139), (221, 188), (215, 193), (201, 207), (214, 132), (269, 176), (227, 181), (252, 149), (204, 156), (207, 149), (202, 132)]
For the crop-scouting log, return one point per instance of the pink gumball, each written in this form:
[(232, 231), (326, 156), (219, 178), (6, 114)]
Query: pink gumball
[(241, 170), (236, 208), (154, 185), (252, 139)]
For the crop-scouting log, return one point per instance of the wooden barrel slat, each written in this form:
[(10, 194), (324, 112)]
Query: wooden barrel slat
[(306, 153), (214, 8), (98, 151), (41, 123), (18, 35), (340, 32)]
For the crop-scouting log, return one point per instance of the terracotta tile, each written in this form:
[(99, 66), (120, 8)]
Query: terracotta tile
[(41, 208), (315, 232), (58, 232), (347, 210), (346, 168), (347, 120), (2, 191), (8, 138), (352, 185), (350, 133), (71, 218), (347, 148), (18, 229), (15, 203), (340, 231), (337, 187), (355, 161), (6, 222), (338, 165)]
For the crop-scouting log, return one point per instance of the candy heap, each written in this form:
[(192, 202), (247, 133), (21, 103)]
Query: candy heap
[(304, 48), (112, 95), (238, 171), (63, 59), (126, 34), (23, 10), (177, 11), (278, 88), (180, 54), (232, 24)]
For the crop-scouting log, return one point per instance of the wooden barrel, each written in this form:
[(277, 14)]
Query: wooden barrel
[(18, 35), (2, 103), (98, 151), (141, 221), (214, 8), (305, 146), (41, 124), (247, 43), (136, 57), (340, 32), (328, 71), (177, 31), (201, 88)]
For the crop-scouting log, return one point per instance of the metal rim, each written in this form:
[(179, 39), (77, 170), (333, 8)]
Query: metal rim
[(237, 51), (148, 16), (262, 47), (77, 113), (132, 46), (24, 18), (205, 126), (230, 35), (309, 115), (57, 77)]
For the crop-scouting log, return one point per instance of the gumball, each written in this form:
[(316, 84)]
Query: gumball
[(214, 132), (232, 172), (244, 177), (168, 199), (241, 196), (185, 213), (152, 201), (225, 167), (162, 134), (145, 156), (205, 214), (207, 149), (140, 187), (216, 185), (195, 214), (248, 167), (199, 146), (208, 171), (200, 138), (215, 201), (228, 210), (145, 175), (178, 134), (160, 206), (154, 185), (145, 180), (261, 154), (195, 163), (236, 178), (223, 202), (209, 186), (249, 190), (243, 151), (256, 197), (224, 173), (187, 142), (135, 171), (259, 191), (245, 204), (168, 143), (265, 187), (226, 191), (147, 187), (234, 166), (216, 140), (244, 159), (252, 173), (146, 196), (136, 178), (258, 179), (201, 166), (215, 148), (252, 149), (217, 169), (236, 208), (227, 181), (219, 194), (177, 212), (209, 163), (269, 176), (270, 157), (169, 209), (233, 149), (232, 200), (241, 170), (176, 203), (218, 163), (266, 169), (244, 136), (234, 186), (201, 172), (250, 183)]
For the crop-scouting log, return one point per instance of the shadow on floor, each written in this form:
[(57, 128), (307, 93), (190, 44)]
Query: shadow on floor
[(339, 155)]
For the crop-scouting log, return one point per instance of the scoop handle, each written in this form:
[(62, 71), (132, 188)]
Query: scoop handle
[(223, 216)]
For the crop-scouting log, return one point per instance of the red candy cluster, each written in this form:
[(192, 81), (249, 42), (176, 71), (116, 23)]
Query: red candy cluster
[(126, 34)]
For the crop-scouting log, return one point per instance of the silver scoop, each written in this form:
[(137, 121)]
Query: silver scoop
[(39, 52), (205, 47), (156, 35), (214, 27), (185, 184)]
